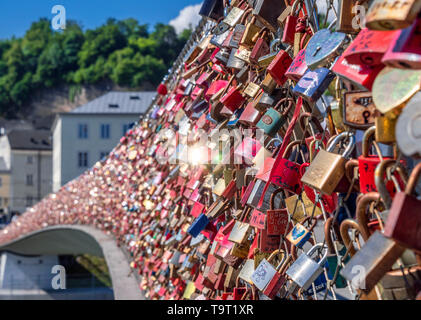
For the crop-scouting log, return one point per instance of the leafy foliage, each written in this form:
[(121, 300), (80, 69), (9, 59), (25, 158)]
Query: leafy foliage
[(124, 52)]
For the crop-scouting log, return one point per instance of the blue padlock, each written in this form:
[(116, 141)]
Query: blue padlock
[(198, 225), (313, 84)]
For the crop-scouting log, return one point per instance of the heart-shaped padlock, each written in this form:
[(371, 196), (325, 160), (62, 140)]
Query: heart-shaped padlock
[(323, 47)]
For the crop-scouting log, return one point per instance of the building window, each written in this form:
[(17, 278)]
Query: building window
[(103, 154), (127, 127), (30, 160), (83, 131), (29, 200), (83, 159), (1, 182), (105, 131), (29, 180)]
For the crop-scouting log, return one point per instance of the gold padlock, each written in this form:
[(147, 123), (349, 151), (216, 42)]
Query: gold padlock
[(385, 128), (328, 168)]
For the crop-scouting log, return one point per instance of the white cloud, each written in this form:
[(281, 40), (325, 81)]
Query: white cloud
[(187, 16)]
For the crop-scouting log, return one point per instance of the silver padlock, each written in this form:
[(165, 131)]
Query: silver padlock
[(304, 271)]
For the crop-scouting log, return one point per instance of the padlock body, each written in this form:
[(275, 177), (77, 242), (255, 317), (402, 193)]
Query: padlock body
[(289, 30), (313, 84), (404, 221), (279, 66), (325, 172), (304, 271), (375, 258), (271, 122), (369, 47), (405, 50), (287, 175), (298, 67)]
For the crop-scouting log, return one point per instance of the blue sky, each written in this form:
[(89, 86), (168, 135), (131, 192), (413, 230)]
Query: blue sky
[(17, 15)]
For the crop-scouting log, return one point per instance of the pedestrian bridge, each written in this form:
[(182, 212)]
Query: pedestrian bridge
[(75, 240)]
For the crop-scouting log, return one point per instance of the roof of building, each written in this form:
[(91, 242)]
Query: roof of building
[(118, 102), (30, 140)]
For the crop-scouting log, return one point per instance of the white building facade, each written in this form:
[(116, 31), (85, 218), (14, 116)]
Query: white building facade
[(27, 155), (88, 133)]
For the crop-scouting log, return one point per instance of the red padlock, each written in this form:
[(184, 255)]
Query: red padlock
[(279, 66), (405, 50), (233, 99), (404, 221), (369, 47), (298, 67), (360, 74), (367, 165), (287, 173)]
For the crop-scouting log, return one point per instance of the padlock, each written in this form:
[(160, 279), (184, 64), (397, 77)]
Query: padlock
[(358, 110), (279, 66), (375, 258), (405, 52), (391, 14), (261, 47), (368, 47), (291, 23), (385, 128), (241, 230), (323, 47), (273, 120), (299, 207), (266, 60), (408, 126), (313, 84), (277, 220), (250, 116), (299, 235), (367, 163), (287, 173), (361, 75), (260, 160), (212, 9), (327, 169), (265, 271), (238, 31), (234, 62), (233, 99), (304, 271), (256, 194), (268, 11), (251, 31), (298, 67), (387, 96), (403, 221)]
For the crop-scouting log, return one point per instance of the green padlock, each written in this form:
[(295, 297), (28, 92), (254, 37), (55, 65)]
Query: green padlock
[(273, 120)]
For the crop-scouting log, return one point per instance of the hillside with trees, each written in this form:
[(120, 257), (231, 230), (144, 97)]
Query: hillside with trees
[(124, 53)]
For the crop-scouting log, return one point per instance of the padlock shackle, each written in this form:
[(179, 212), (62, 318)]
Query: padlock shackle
[(245, 16), (344, 228), (368, 140), (379, 178), (328, 239), (413, 179), (289, 147), (272, 198), (314, 248), (362, 218), (311, 119), (342, 136)]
